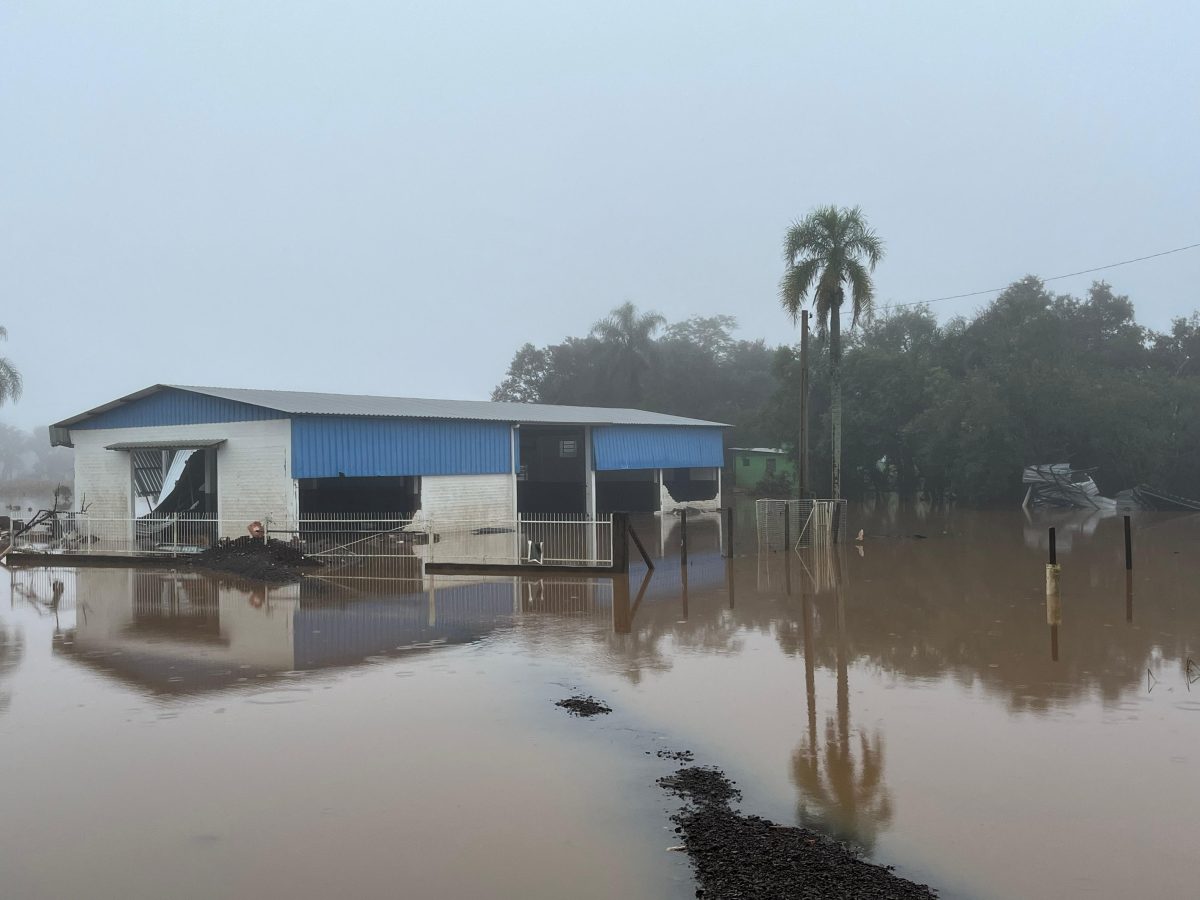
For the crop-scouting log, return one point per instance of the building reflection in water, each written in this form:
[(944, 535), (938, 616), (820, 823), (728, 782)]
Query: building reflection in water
[(182, 632)]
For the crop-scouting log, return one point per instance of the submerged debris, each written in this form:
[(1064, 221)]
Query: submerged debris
[(273, 561), (1057, 484), (676, 755), (584, 706), (738, 856)]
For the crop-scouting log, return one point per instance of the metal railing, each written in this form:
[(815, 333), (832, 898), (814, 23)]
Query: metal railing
[(82, 533), (378, 544), (369, 545), (562, 539)]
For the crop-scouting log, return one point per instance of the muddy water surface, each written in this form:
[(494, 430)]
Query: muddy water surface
[(169, 734)]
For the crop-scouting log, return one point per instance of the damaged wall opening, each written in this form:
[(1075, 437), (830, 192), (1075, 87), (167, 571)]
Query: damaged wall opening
[(691, 485), (174, 480), (399, 494)]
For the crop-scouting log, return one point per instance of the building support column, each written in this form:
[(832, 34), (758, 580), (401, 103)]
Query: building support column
[(518, 538), (589, 490)]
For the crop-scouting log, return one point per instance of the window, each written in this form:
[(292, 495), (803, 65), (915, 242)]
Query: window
[(745, 462), (770, 467), (567, 449)]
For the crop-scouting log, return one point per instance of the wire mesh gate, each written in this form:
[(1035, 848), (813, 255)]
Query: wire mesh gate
[(803, 523)]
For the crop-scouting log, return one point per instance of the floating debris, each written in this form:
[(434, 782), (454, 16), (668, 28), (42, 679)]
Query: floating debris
[(584, 706)]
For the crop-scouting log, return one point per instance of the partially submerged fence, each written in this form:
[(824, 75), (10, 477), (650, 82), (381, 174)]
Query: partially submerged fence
[(85, 534), (799, 523), (378, 544)]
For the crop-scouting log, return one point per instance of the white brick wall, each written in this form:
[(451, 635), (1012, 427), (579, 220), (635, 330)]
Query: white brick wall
[(254, 477), (448, 498)]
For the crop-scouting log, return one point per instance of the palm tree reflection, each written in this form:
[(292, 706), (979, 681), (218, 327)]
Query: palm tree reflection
[(839, 778)]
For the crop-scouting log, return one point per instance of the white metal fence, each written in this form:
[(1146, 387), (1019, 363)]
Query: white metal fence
[(377, 545), (380, 544), (803, 523), (562, 539), (81, 533)]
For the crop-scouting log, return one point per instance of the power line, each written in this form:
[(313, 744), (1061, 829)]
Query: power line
[(1124, 262)]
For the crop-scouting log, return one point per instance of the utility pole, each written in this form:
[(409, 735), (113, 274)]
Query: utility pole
[(802, 473)]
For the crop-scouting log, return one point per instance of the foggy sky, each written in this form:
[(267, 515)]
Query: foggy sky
[(386, 198)]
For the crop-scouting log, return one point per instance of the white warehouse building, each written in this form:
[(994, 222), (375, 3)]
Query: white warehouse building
[(245, 455)]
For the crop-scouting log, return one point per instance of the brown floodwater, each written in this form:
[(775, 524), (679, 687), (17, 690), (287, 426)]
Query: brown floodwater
[(171, 734)]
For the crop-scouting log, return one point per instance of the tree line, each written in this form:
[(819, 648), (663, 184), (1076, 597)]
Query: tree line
[(952, 410)]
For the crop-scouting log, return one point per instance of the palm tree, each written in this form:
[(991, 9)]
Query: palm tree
[(825, 251), (630, 337), (10, 378)]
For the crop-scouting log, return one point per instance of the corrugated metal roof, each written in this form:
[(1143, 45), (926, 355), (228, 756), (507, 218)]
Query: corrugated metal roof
[(306, 403), (316, 404), (198, 444)]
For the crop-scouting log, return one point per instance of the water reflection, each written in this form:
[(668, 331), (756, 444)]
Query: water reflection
[(955, 623), (179, 633)]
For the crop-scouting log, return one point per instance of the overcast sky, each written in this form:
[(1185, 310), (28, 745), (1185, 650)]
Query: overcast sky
[(389, 198)]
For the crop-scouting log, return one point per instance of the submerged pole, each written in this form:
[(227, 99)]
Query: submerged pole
[(683, 536), (619, 531), (1053, 597), (1128, 595), (1128, 546), (802, 474), (787, 547)]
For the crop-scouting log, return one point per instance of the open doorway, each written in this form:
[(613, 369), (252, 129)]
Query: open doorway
[(399, 495), (171, 481), (553, 473)]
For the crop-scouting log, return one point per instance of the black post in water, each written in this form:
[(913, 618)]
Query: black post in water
[(683, 537), (620, 542), (787, 548), (1128, 545), (729, 531), (1053, 549), (729, 581)]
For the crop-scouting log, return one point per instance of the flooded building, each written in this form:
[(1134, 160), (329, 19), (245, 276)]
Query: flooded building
[(750, 465), (244, 455)]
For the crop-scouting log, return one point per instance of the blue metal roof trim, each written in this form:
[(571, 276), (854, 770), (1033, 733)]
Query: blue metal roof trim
[(656, 447), (328, 446), (175, 407)]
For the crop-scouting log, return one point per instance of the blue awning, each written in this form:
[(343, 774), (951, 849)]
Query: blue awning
[(619, 447)]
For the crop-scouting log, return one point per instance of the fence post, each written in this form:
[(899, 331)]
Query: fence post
[(728, 511), (620, 543), (787, 545), (1053, 597), (683, 536)]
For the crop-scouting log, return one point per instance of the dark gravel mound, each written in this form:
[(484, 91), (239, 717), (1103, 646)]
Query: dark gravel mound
[(274, 561), (675, 755), (580, 705), (739, 856)]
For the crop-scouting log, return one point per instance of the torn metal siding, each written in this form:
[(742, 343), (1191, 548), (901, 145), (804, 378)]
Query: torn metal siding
[(656, 447), (329, 446)]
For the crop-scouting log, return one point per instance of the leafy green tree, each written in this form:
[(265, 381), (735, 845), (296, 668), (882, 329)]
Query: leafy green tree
[(10, 378), (828, 250), (526, 376), (628, 337)]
